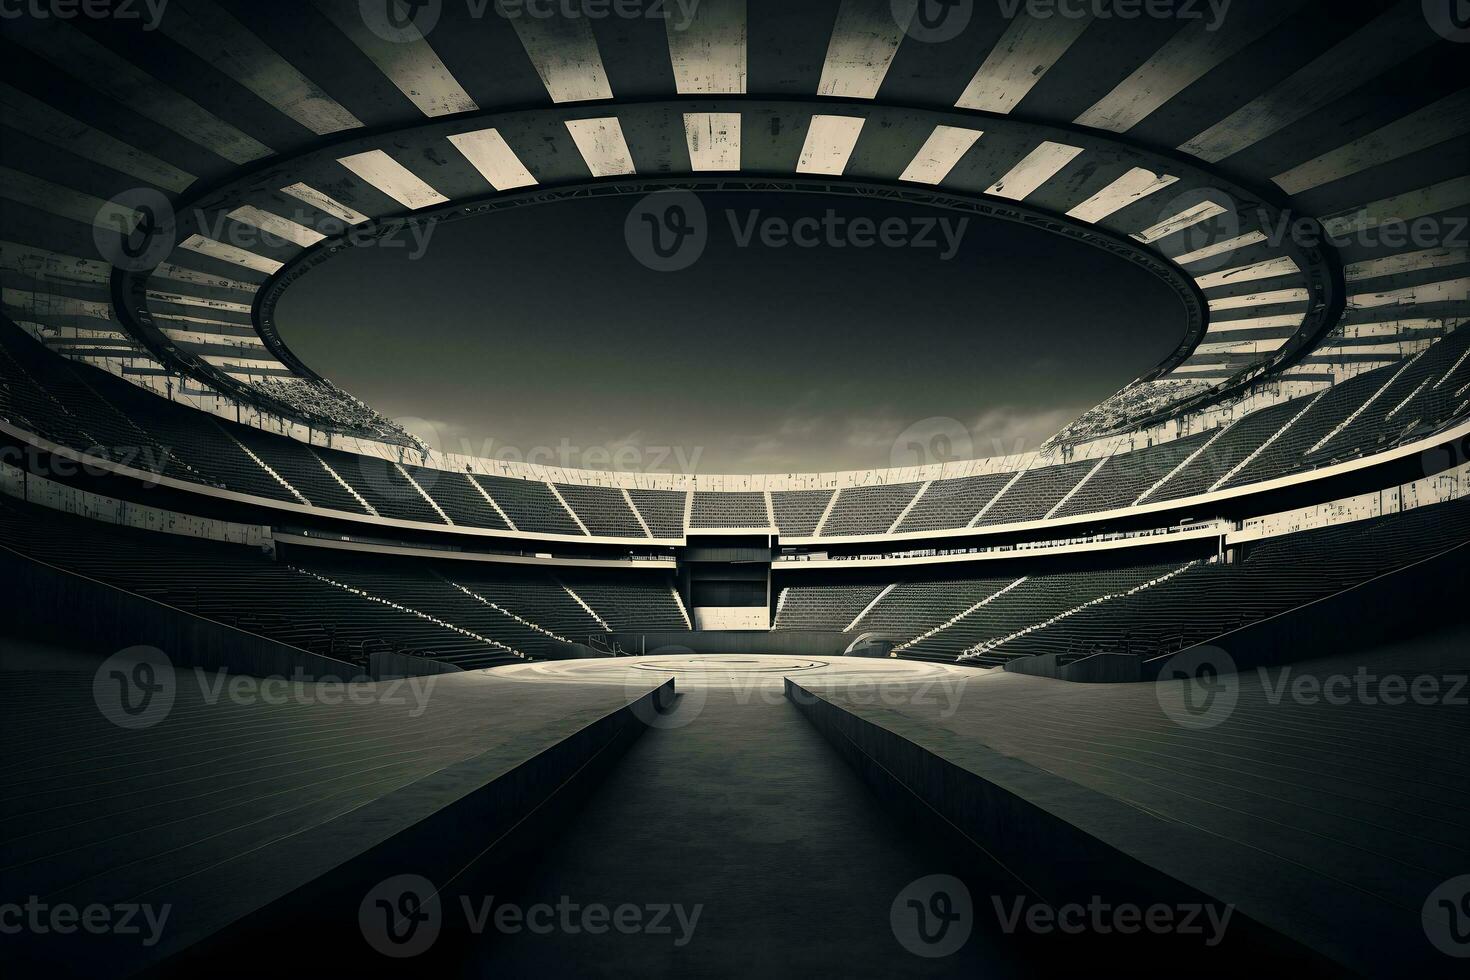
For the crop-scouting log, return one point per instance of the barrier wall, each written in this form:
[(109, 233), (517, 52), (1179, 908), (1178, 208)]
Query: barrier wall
[(1407, 602), (38, 490), (57, 607), (795, 643)]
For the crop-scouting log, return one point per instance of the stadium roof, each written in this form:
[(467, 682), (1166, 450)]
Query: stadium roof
[(1245, 153)]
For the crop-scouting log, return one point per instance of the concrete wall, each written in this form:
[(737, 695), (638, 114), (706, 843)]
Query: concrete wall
[(1100, 668), (388, 665)]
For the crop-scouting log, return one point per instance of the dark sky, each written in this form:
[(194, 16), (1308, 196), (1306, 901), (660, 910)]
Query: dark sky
[(536, 333)]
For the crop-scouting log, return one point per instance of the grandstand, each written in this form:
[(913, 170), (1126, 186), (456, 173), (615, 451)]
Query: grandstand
[(659, 686)]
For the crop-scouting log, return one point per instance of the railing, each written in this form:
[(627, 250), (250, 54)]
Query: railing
[(1219, 526)]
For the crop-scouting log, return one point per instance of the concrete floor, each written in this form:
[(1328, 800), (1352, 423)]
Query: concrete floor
[(197, 812), (744, 812), (733, 822), (1331, 817)]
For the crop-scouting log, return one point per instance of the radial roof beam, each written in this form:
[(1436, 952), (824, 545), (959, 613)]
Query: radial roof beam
[(944, 148), (1188, 218), (324, 203), (601, 143), (1184, 59), (1280, 320), (1282, 265), (41, 121), (45, 265), (65, 202), (1388, 265), (1220, 248), (273, 224), (829, 144), (408, 62), (489, 153), (1386, 41), (230, 253), (1443, 196), (392, 178), (1435, 123), (1133, 186), (212, 33), (708, 51), (713, 139), (1029, 49), (1270, 298), (102, 69), (1034, 169), (564, 53), (864, 40), (193, 276)]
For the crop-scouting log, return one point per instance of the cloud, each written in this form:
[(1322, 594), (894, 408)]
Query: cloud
[(1008, 429), (802, 442)]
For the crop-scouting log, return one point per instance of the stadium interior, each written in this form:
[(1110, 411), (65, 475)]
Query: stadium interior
[(289, 687)]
